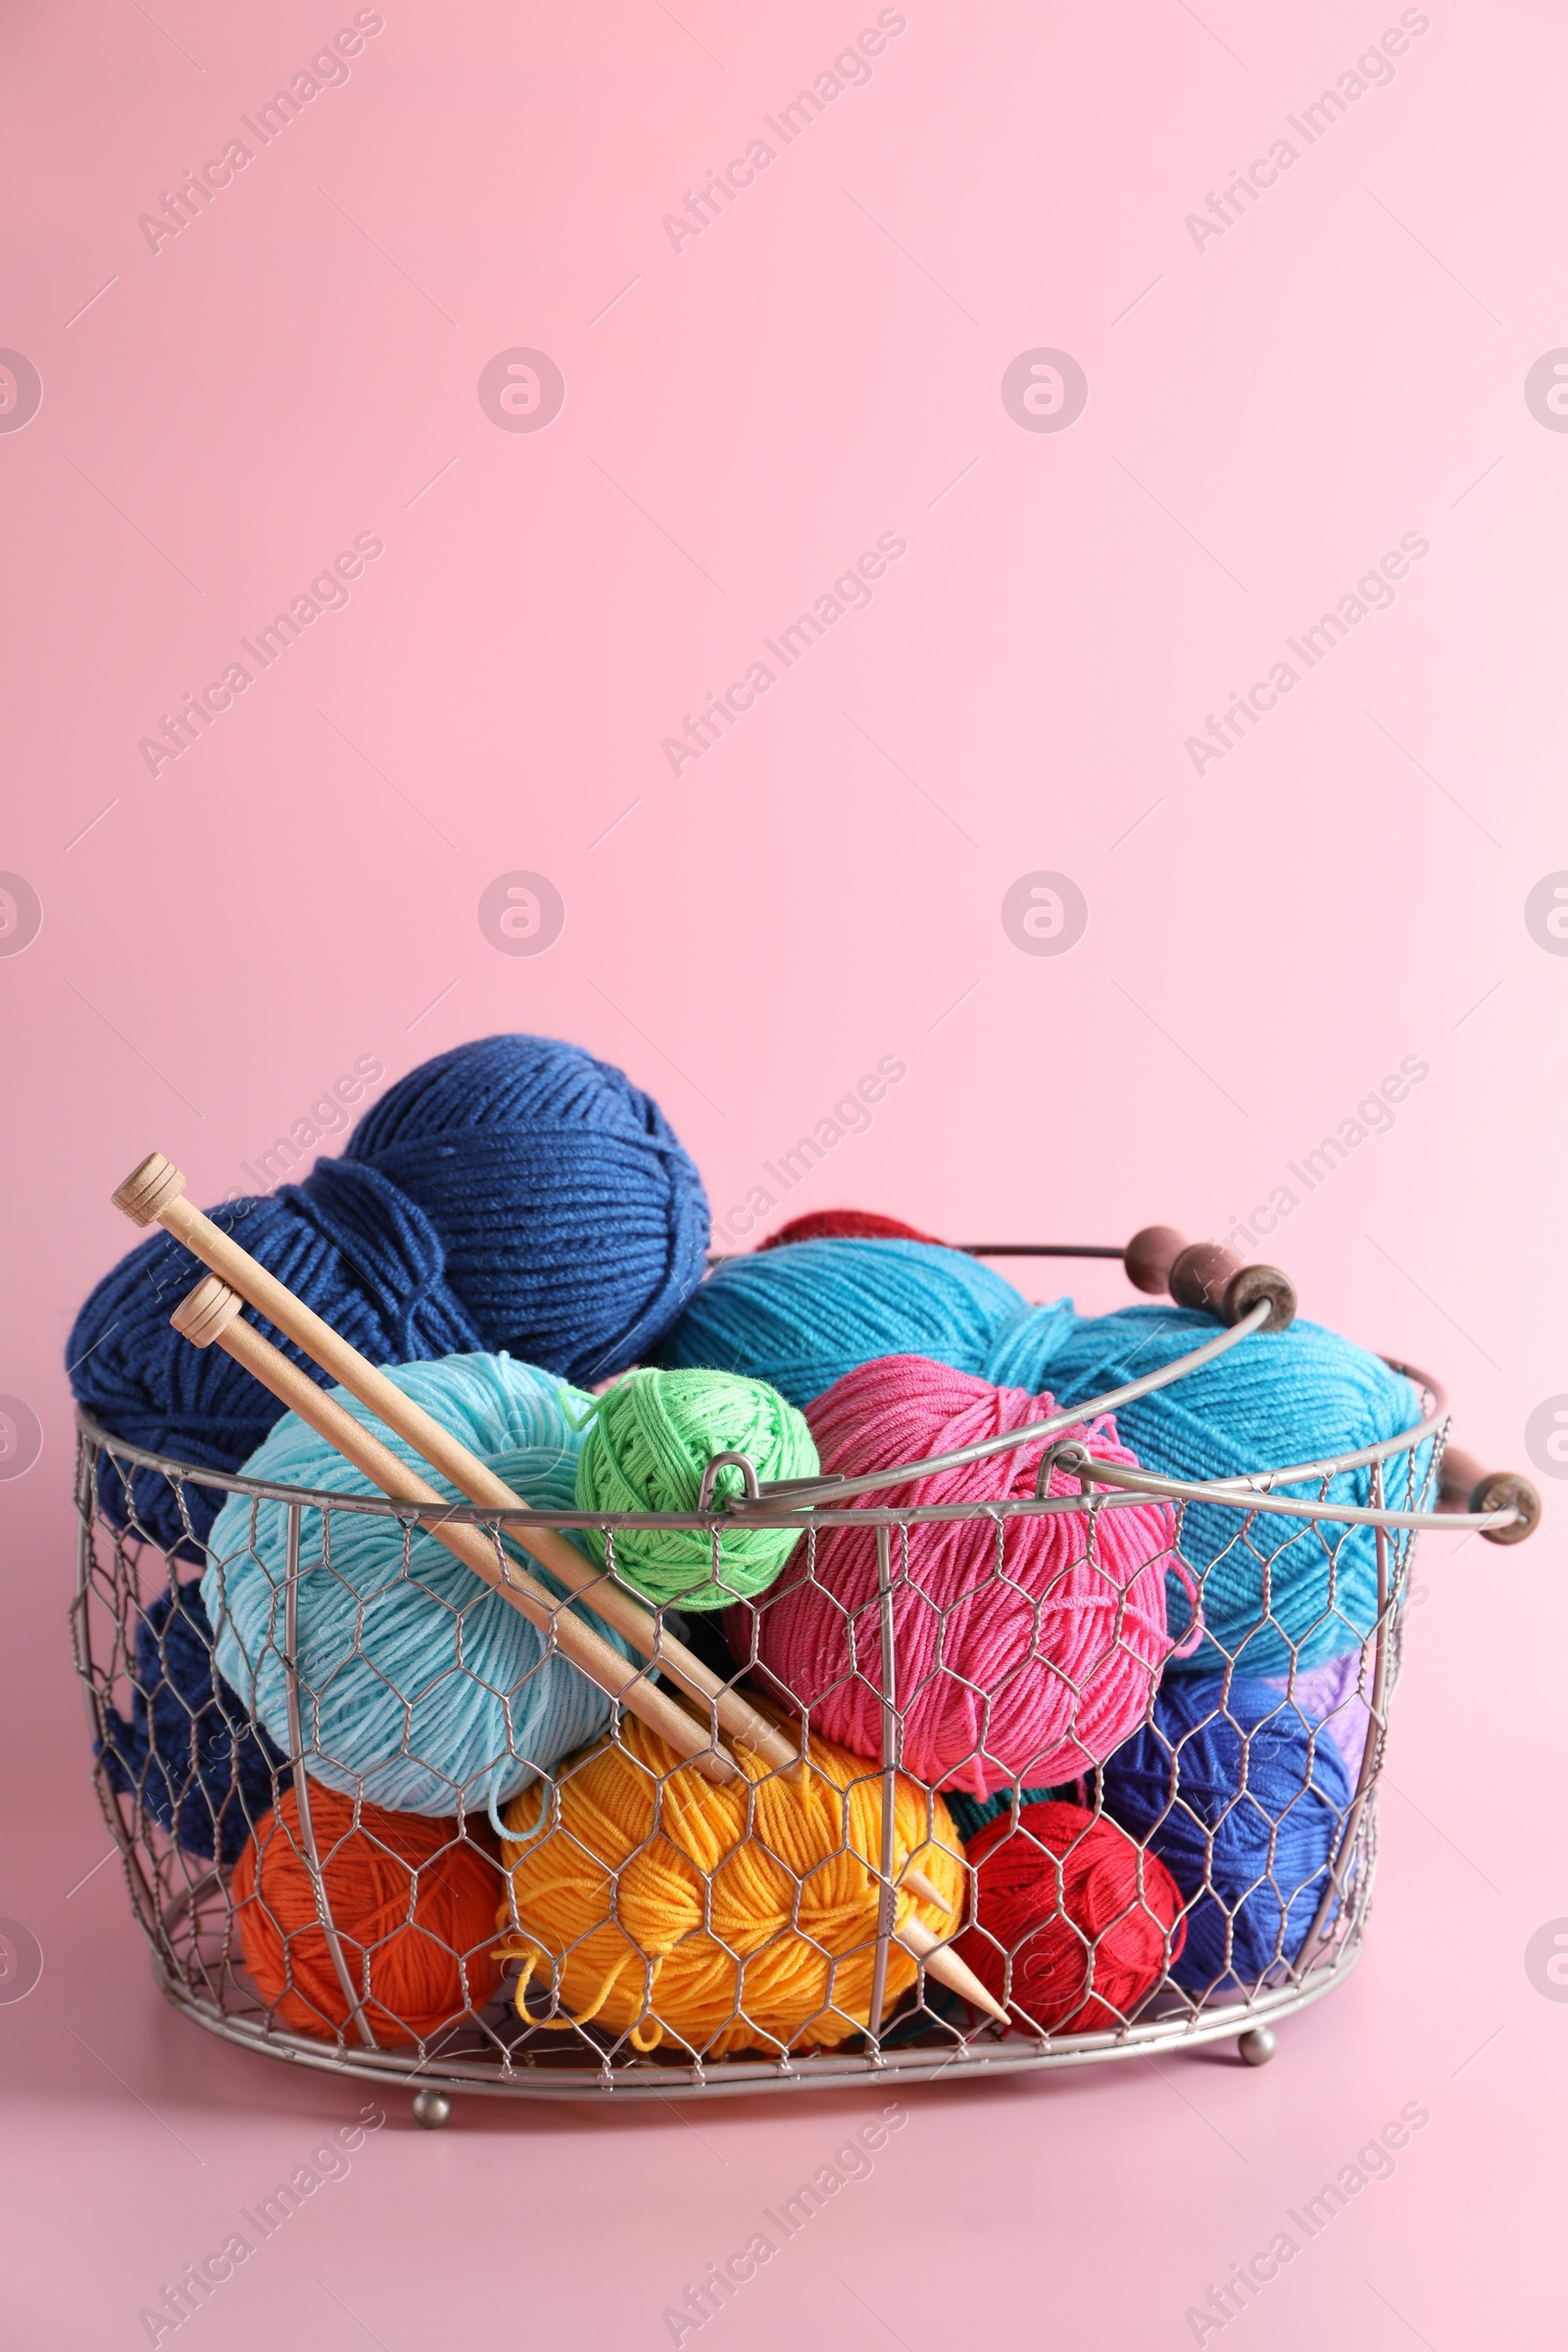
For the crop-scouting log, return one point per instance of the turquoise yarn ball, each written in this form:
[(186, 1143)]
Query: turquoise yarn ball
[(799, 1318), (418, 1686), (1286, 1586)]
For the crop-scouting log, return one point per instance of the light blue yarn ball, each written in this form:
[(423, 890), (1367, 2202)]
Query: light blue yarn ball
[(799, 1318), (418, 1686), (1276, 1397)]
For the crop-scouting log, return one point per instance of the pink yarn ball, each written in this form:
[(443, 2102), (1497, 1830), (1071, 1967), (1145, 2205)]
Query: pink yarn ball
[(1031, 1673)]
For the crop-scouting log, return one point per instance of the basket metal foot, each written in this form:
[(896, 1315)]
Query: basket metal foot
[(1257, 2046), (432, 2108)]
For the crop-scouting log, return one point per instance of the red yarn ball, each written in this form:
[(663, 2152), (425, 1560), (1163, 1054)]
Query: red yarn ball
[(1026, 1649), (844, 1224), (1074, 1922), (414, 1902)]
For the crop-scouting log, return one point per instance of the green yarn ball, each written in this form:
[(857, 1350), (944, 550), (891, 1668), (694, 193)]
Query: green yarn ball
[(651, 1438)]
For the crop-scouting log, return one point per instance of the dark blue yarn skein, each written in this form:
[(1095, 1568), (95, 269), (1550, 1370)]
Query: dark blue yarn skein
[(576, 1227), (200, 1768), (345, 1240), (510, 1193), (1241, 1797), (1285, 1588)]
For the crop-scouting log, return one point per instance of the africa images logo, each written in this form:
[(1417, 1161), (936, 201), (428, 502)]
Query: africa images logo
[(1546, 391), (1044, 913), (1546, 914), (1044, 390), (20, 391), (521, 390), (522, 913)]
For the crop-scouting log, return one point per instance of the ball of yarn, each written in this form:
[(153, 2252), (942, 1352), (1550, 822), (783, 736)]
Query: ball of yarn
[(803, 1317), (970, 1814), (1074, 1923), (645, 1448), (1244, 1799), (650, 1904), (1024, 1651), (845, 1225), (412, 1902), (418, 1686), (1338, 1695), (189, 1754), (1285, 1588), (573, 1224), (511, 1193)]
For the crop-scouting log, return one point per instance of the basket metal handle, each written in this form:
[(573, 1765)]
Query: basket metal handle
[(728, 1461)]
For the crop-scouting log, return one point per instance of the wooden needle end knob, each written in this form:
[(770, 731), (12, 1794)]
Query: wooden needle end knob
[(205, 1313), (149, 1189)]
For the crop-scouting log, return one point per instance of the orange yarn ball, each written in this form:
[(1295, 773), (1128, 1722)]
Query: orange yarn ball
[(413, 1900), (658, 1906)]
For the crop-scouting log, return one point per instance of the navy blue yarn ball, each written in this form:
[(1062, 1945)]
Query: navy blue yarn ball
[(191, 1755), (513, 1194), (1242, 1795), (574, 1226)]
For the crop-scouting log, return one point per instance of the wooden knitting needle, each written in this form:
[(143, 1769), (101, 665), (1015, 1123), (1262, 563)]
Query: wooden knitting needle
[(936, 1958), (155, 1193), (941, 1961), (212, 1311)]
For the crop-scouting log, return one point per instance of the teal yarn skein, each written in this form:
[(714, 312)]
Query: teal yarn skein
[(800, 1318), (645, 1448), (418, 1686), (1285, 1589)]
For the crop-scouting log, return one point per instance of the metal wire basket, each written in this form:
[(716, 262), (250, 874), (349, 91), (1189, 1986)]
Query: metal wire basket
[(178, 1825)]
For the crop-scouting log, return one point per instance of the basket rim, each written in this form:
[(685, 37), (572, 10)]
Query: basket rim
[(817, 1503), (742, 2075), (1248, 1495)]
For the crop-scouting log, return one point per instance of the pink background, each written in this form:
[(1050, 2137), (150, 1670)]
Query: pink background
[(1345, 888)]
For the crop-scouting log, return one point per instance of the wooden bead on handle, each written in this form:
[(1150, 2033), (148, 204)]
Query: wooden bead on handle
[(1207, 1277), (1463, 1486), (1151, 1255)]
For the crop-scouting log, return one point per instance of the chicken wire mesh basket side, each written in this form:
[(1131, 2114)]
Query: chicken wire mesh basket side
[(203, 1783)]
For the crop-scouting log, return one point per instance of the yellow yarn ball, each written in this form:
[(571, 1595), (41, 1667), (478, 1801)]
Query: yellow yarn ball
[(665, 1908)]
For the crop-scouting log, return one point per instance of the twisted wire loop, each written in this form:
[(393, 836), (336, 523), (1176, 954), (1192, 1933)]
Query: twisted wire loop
[(617, 1925)]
